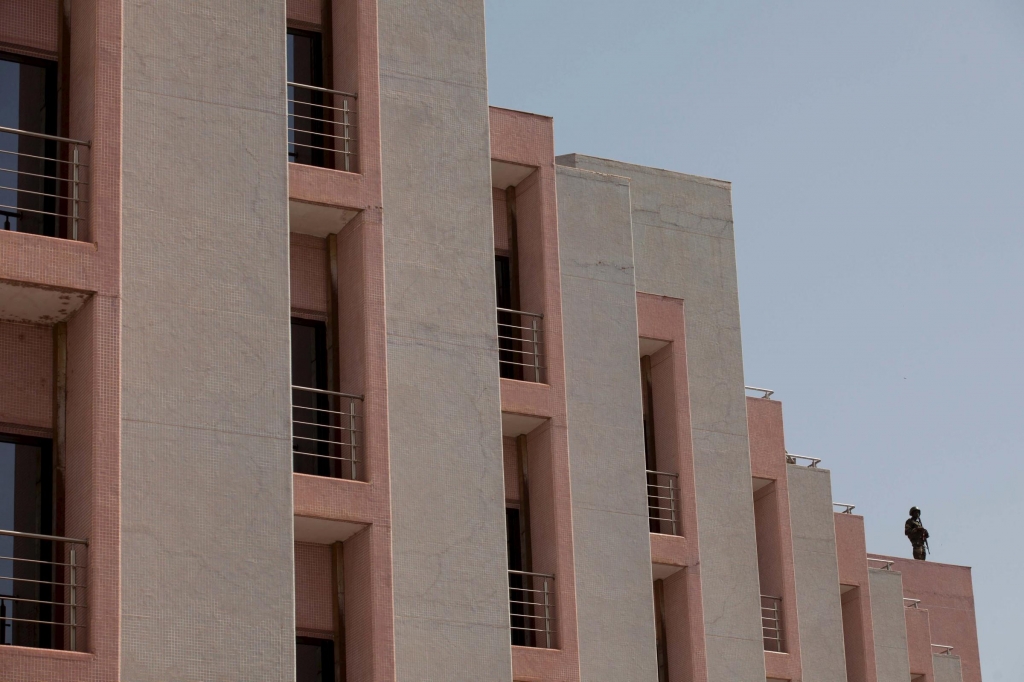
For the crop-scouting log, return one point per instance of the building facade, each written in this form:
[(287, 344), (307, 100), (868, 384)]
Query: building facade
[(315, 367)]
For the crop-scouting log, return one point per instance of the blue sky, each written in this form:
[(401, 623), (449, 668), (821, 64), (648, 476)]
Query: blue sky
[(876, 151)]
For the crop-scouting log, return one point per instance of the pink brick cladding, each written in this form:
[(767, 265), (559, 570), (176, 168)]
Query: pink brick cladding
[(853, 577), (663, 319), (528, 140), (947, 594), (774, 528)]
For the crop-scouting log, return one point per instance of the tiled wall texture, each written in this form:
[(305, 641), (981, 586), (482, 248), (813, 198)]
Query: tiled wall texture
[(683, 247), (606, 448), (207, 550), (26, 377), (450, 572)]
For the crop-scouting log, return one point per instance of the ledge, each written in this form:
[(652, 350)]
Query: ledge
[(333, 499), (526, 397), (532, 664)]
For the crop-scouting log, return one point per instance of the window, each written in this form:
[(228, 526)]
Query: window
[(28, 165), (307, 142), (311, 410), (314, 660), (26, 575)]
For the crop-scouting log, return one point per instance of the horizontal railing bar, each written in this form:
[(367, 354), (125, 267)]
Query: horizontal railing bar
[(663, 473), (44, 177), (61, 624), (319, 89), (320, 440), (49, 195), (521, 352), (526, 629), (53, 159), (323, 149), (768, 596), (37, 536), (343, 110), (325, 391), (314, 454), (536, 575), (503, 326), (7, 597), (526, 589), (322, 134), (848, 508), (32, 210), (521, 364), (520, 312), (767, 391), (326, 410), (42, 582), (323, 426), (43, 136), (39, 561), (814, 461)]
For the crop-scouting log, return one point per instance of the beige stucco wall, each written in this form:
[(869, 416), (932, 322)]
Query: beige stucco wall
[(450, 570), (892, 661), (614, 597), (683, 247), (207, 550), (819, 603), (946, 668)]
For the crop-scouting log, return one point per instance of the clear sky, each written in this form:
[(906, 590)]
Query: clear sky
[(876, 151)]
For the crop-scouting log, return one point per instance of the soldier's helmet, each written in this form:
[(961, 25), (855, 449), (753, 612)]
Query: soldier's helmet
[(914, 509)]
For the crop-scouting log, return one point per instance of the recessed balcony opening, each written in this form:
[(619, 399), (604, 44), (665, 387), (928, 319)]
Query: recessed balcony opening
[(521, 340), (321, 120), (327, 426), (42, 175), (768, 527), (663, 503)]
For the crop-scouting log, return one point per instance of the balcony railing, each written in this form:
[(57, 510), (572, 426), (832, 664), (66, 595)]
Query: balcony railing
[(42, 590), (327, 430), (42, 183), (521, 345), (321, 127), (532, 608), (771, 622), (663, 502)]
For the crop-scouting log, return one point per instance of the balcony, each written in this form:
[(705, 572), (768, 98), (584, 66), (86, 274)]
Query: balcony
[(771, 623), (327, 428), (532, 609), (663, 502), (321, 127), (521, 345), (42, 183), (42, 590)]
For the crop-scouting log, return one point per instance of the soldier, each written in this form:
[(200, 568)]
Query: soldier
[(915, 530)]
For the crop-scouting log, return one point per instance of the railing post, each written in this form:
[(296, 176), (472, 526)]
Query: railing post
[(547, 615), (352, 429), (74, 195), (672, 504), (536, 349), (345, 132), (73, 599)]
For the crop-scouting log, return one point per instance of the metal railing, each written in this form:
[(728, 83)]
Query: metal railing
[(792, 459), (42, 183), (327, 428), (532, 608), (766, 391), (886, 564), (846, 508), (521, 345), (771, 622), (42, 590), (911, 603), (947, 650), (321, 127), (663, 502)]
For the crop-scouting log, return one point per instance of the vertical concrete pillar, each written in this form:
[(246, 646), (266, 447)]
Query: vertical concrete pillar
[(816, 569), (614, 599), (207, 535), (684, 248), (450, 572), (892, 661)]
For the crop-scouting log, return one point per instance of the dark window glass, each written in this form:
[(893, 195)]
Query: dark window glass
[(28, 167), (306, 111), (314, 660), (26, 506), (516, 583), (510, 357), (311, 411)]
